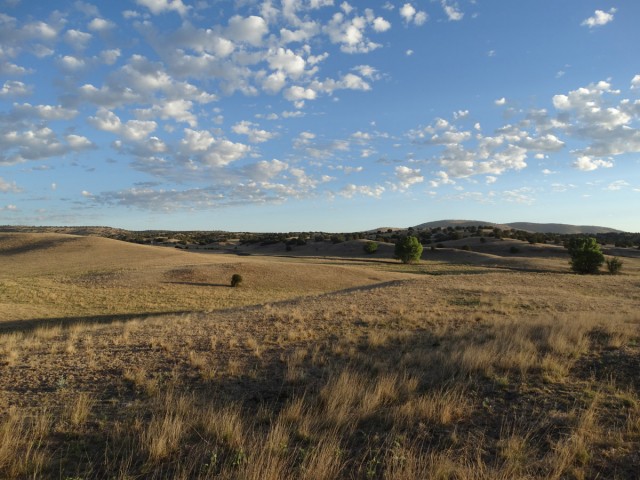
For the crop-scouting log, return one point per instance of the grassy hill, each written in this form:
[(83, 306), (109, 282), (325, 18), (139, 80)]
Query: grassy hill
[(123, 361)]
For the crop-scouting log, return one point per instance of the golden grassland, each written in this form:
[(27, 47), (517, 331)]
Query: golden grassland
[(122, 361)]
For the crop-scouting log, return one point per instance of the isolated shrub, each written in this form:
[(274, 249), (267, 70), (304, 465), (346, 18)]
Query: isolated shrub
[(614, 265), (586, 256), (483, 240), (408, 249), (370, 248), (514, 249), (236, 279), (439, 245), (465, 247)]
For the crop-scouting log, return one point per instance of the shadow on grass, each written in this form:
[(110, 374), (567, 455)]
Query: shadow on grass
[(200, 284), (67, 322)]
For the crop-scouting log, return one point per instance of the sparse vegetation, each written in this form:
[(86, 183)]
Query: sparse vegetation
[(614, 265), (386, 375)]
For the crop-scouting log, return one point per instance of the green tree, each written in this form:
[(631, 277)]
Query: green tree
[(586, 256), (370, 248), (236, 279), (408, 249)]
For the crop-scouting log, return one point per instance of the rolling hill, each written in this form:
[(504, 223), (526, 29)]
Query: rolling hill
[(560, 228)]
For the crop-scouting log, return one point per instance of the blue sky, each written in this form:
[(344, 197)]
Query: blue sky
[(317, 114)]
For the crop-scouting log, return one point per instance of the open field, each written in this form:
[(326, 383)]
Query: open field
[(125, 361)]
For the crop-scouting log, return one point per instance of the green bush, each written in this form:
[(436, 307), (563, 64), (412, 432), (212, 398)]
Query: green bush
[(614, 265), (586, 256), (408, 249), (370, 248), (236, 279), (514, 249)]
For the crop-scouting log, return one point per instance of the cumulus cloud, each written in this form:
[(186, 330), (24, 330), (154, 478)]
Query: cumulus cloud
[(408, 176), (100, 25), (599, 18), (160, 6), (14, 88), (35, 143), (45, 112), (77, 39), (132, 130), (249, 30), (349, 33), (351, 190), (452, 11), (211, 151), (410, 15), (178, 110), (254, 134), (586, 163)]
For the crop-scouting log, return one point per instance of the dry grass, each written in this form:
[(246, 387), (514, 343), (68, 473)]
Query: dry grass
[(473, 373)]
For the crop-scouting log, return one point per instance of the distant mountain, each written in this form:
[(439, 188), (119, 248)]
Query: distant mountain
[(560, 228), (458, 223)]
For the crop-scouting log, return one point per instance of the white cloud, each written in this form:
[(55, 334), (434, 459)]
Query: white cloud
[(408, 53), (78, 142), (366, 71), (296, 93), (132, 130), (100, 25), (618, 185), (274, 82), (286, 61), (350, 190), (211, 151), (452, 11), (9, 187), (45, 112), (71, 63), (249, 30), (520, 195), (381, 25), (587, 164), (599, 18), (408, 176), (500, 101), (407, 12), (254, 135), (635, 82), (266, 170), (14, 88), (178, 110), (160, 6), (350, 33), (77, 39), (410, 15), (109, 57)]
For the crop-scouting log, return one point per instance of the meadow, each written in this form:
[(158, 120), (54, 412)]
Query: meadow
[(139, 362)]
